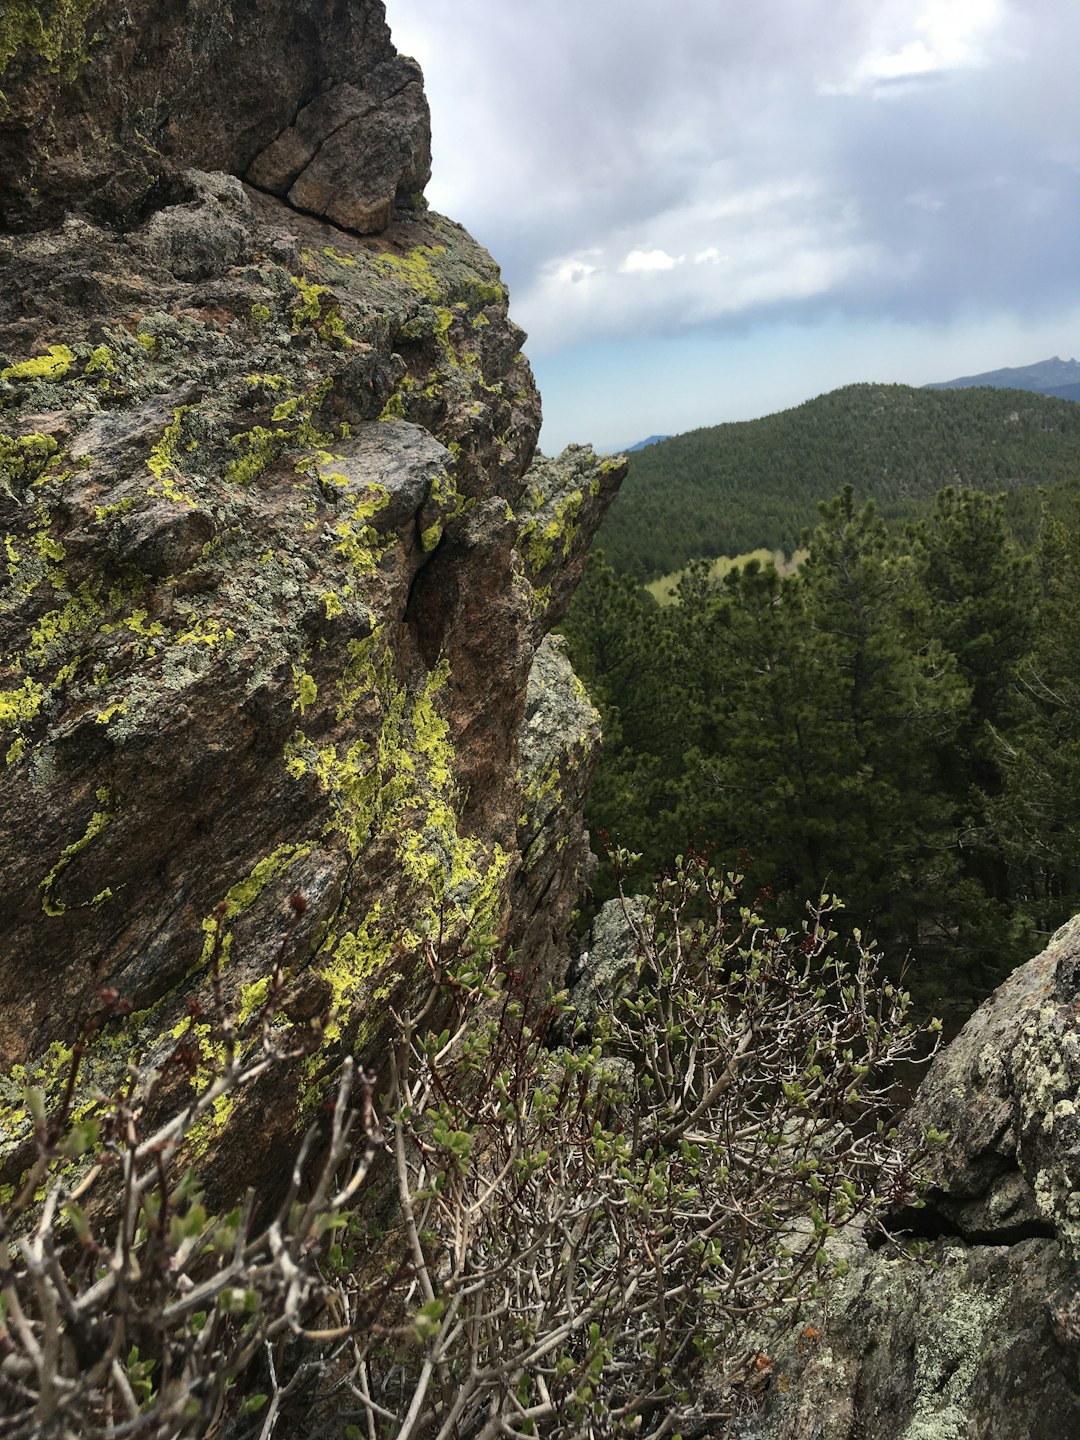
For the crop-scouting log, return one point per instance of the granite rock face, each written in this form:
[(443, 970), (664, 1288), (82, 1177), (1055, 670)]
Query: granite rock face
[(276, 571), (977, 1338)]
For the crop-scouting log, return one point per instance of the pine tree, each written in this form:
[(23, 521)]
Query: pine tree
[(1038, 813)]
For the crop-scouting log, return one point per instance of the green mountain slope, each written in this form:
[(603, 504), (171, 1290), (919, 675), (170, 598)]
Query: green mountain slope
[(732, 488)]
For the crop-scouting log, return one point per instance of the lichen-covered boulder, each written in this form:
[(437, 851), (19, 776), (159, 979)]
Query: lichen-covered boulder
[(973, 1334), (561, 507), (958, 1345), (271, 595)]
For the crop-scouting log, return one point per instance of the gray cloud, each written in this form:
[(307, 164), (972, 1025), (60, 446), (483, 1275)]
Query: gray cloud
[(641, 168)]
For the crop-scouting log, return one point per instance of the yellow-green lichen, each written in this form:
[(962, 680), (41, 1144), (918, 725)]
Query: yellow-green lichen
[(544, 784), (206, 632), (19, 706), (287, 409), (307, 692), (100, 820), (53, 30), (252, 999), (243, 895), (211, 1059), (351, 962), (162, 462), (52, 634), (318, 310), (415, 269), (394, 408), (101, 362), (309, 309), (358, 543), (259, 447), (48, 548), (52, 366), (23, 460), (347, 260), (549, 532), (402, 787), (106, 512), (444, 493)]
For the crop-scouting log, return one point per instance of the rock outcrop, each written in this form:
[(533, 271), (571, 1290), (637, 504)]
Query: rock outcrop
[(104, 106), (278, 572), (976, 1333)]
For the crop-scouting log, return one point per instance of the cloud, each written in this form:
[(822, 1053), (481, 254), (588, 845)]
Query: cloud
[(644, 262), (640, 171), (945, 35), (574, 269)]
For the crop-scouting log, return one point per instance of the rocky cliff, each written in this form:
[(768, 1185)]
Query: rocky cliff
[(970, 1326), (279, 568)]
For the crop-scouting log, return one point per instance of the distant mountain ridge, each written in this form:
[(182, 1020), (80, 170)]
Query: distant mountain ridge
[(729, 489), (642, 444), (1057, 377)]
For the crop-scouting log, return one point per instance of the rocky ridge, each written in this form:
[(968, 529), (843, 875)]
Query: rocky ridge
[(278, 571)]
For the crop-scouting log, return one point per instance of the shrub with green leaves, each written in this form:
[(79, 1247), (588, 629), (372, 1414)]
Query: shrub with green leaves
[(497, 1238)]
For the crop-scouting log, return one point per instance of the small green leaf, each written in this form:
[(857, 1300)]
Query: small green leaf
[(77, 1219), (79, 1139)]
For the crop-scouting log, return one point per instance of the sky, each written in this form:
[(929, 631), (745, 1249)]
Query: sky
[(709, 211)]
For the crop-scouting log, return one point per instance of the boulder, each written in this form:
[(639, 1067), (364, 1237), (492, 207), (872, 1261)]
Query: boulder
[(274, 593), (968, 1327)]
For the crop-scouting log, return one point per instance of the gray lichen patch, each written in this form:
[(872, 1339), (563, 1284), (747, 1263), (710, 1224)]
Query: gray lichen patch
[(562, 729), (1046, 1064), (950, 1344)]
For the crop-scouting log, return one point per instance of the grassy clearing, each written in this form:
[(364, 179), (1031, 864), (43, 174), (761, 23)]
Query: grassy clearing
[(663, 590)]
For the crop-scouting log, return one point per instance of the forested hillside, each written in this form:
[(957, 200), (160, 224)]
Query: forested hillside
[(731, 488), (898, 722)]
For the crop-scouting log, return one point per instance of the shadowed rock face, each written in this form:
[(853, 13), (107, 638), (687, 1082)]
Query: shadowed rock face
[(277, 566), (981, 1336), (106, 105)]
